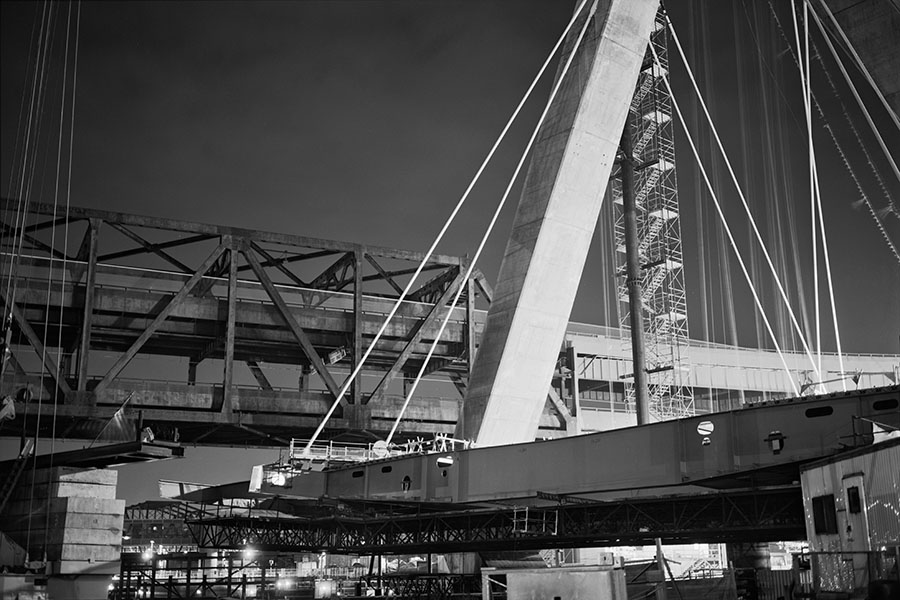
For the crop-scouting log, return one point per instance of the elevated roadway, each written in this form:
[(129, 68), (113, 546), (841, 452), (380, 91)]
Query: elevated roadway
[(152, 319)]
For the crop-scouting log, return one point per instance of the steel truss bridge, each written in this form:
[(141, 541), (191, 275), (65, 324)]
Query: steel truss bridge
[(232, 336), (746, 515)]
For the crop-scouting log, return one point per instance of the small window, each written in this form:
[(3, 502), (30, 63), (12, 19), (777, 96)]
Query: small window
[(889, 404), (824, 515), (854, 502), (819, 411), (357, 474), (387, 469)]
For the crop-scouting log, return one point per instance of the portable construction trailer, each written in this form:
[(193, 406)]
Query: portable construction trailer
[(852, 505)]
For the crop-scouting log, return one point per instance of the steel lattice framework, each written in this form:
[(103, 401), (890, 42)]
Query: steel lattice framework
[(659, 229), (746, 515), (91, 323)]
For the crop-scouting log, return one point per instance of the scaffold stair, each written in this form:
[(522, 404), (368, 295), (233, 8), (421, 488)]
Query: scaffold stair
[(656, 225), (645, 139)]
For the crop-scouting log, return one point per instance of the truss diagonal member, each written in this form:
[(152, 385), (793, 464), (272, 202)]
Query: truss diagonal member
[(35, 243), (459, 383), (174, 303), (567, 419), (149, 247), (417, 335), (86, 253), (384, 274), (278, 263), (46, 224), (483, 285), (434, 286), (305, 344), (161, 246), (258, 374), (264, 435), (35, 341), (335, 277)]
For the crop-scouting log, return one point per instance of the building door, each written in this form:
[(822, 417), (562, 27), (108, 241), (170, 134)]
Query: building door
[(854, 531)]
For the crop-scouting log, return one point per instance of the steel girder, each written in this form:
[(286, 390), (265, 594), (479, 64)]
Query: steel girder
[(142, 286), (747, 515)]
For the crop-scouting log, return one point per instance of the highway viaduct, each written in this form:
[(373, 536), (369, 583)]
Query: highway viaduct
[(232, 336)]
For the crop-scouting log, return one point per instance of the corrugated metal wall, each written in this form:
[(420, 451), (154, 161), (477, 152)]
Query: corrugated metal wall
[(880, 469)]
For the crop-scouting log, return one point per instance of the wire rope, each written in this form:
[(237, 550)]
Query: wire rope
[(59, 344), (28, 171), (739, 191), (745, 101), (818, 198), (727, 229), (859, 63), (12, 187), (701, 217), (818, 221), (459, 204), (803, 64), (492, 223), (782, 152), (865, 198), (862, 106), (21, 199)]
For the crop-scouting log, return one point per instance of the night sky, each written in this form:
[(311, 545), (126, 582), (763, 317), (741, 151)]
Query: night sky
[(365, 121)]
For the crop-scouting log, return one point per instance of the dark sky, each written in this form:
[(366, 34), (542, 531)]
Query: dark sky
[(365, 121)]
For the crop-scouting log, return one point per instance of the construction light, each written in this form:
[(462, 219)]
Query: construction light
[(775, 439), (444, 462), (277, 479)]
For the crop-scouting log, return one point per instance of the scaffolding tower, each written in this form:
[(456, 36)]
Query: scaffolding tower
[(659, 229)]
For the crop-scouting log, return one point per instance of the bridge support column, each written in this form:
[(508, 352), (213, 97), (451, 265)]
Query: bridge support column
[(75, 525), (553, 226)]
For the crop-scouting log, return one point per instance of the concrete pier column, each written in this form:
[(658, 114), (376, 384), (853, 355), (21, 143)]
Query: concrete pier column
[(72, 519), (554, 224)]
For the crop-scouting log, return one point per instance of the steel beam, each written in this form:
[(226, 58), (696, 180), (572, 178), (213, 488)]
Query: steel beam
[(162, 316), (109, 217), (258, 374), (417, 335), (228, 404), (335, 276), (279, 264), (384, 275), (87, 319), (356, 390), (308, 349), (36, 244), (160, 246), (152, 248), (563, 411), (758, 515), (49, 364)]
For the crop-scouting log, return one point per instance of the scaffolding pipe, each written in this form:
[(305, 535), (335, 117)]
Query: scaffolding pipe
[(633, 279)]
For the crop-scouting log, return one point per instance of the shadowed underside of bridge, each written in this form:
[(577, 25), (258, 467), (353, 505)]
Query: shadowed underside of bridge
[(153, 317), (745, 515)]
